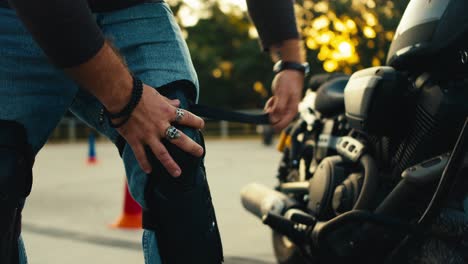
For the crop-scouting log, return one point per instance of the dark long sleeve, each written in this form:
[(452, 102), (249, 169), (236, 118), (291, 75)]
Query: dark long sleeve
[(274, 19), (65, 29)]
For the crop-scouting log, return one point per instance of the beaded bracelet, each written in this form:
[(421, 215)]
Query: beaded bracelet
[(126, 112)]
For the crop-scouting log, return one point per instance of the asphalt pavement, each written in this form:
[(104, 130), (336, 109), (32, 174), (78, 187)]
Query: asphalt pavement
[(67, 217)]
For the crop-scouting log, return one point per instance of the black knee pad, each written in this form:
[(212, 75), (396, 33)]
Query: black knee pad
[(180, 210), (16, 160)]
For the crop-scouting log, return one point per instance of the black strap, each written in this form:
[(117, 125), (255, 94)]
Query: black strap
[(214, 114), (221, 114), (120, 144)]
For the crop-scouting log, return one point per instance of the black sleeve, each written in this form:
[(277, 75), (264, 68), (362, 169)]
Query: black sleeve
[(274, 20), (65, 29)]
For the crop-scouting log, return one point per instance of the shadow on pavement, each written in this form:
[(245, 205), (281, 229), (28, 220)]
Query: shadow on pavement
[(110, 242), (80, 237)]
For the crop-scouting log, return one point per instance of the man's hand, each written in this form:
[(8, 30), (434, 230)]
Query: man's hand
[(287, 93), (108, 79), (287, 85), (147, 126)]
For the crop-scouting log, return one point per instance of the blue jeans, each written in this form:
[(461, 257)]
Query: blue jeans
[(36, 94)]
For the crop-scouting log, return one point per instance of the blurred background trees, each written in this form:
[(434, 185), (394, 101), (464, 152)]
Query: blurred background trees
[(348, 35), (339, 35), (232, 70)]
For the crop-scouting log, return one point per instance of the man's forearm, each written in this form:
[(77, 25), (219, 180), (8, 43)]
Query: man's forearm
[(70, 37), (276, 24), (65, 29), (106, 77), (274, 19), (288, 50), (68, 34)]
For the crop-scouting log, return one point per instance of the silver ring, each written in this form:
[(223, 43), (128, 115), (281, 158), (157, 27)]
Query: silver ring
[(172, 133), (179, 114)]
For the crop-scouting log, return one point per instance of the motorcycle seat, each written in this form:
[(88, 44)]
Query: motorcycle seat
[(329, 100)]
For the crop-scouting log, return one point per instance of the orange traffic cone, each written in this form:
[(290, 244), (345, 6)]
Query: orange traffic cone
[(131, 216)]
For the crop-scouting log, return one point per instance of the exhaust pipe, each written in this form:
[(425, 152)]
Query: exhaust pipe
[(261, 200)]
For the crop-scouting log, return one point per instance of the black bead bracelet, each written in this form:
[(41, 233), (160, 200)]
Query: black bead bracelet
[(126, 112)]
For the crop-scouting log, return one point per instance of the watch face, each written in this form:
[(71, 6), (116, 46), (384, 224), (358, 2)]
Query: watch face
[(278, 66), (306, 68)]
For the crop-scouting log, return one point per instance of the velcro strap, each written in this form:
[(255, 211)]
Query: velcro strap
[(120, 144), (213, 113), (221, 114)]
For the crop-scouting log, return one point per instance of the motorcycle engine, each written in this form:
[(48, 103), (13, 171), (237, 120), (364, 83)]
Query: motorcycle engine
[(376, 100), (407, 122), (404, 122)]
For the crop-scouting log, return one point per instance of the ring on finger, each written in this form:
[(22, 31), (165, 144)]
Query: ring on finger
[(179, 114), (172, 133)]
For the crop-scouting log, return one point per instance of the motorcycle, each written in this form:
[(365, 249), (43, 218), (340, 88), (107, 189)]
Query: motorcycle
[(375, 167)]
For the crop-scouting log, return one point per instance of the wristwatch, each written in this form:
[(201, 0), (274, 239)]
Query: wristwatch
[(289, 65)]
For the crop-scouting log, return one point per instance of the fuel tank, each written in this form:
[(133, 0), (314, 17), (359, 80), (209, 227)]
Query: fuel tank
[(431, 33)]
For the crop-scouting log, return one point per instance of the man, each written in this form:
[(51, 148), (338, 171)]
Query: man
[(102, 60)]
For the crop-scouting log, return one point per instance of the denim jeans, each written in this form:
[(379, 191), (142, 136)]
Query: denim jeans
[(36, 94)]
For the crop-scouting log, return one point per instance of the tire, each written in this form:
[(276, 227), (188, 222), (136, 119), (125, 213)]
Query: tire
[(285, 251)]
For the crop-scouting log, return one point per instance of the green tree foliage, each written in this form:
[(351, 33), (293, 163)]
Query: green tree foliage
[(348, 35), (340, 35), (227, 60)]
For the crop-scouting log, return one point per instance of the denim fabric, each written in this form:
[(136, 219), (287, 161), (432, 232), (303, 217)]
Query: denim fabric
[(22, 253), (36, 94), (150, 248)]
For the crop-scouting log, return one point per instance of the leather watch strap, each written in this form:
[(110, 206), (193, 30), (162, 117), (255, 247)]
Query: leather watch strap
[(289, 65)]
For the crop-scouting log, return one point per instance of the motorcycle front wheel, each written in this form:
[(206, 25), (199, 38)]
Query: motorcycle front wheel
[(285, 251)]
